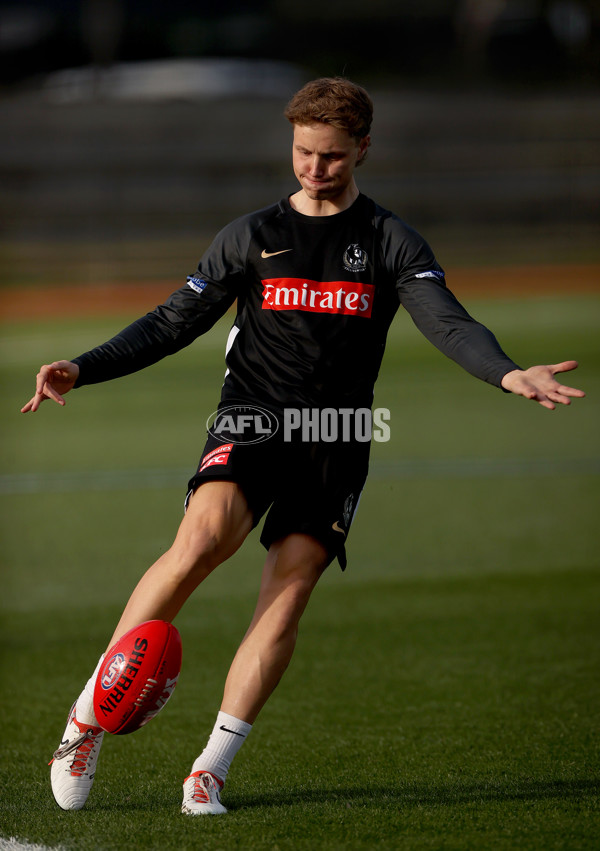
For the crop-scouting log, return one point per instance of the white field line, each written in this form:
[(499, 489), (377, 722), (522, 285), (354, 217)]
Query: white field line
[(422, 468)]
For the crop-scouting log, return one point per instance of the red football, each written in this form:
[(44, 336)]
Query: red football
[(137, 677)]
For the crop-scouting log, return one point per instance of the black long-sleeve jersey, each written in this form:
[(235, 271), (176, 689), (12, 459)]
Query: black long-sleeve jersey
[(316, 296)]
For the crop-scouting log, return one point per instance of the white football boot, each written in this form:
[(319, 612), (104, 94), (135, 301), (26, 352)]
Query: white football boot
[(74, 763), (201, 795)]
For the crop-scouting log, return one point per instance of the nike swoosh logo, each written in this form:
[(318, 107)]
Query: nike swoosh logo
[(264, 254), (337, 528), (227, 730)]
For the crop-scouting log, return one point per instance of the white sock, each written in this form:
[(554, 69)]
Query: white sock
[(226, 739), (84, 710)]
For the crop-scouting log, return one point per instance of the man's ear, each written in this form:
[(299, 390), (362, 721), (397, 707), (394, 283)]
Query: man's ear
[(363, 147)]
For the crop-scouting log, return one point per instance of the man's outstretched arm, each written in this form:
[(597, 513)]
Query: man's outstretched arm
[(539, 384)]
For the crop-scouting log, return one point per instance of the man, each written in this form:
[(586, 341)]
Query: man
[(318, 278)]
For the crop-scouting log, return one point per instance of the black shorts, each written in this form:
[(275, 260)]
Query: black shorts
[(309, 488)]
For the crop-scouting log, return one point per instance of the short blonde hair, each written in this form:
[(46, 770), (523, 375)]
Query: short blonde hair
[(335, 101)]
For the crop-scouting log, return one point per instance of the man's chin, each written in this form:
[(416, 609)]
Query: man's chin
[(322, 193)]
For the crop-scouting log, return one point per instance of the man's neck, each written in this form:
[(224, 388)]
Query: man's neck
[(301, 202)]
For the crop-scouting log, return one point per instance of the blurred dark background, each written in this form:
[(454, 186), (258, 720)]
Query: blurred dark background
[(132, 131)]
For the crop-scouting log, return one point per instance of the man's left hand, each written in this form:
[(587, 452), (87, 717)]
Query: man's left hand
[(539, 384)]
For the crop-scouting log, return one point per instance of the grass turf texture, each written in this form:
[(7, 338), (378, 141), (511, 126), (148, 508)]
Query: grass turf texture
[(444, 693)]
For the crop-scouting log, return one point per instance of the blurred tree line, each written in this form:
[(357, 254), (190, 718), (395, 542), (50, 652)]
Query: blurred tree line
[(485, 137), (466, 41)]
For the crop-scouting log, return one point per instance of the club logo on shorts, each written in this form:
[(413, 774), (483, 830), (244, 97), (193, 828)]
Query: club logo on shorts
[(112, 672), (355, 259), (241, 424), (217, 456), (348, 510)]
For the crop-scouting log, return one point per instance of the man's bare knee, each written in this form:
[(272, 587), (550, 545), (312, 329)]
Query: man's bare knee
[(292, 569), (215, 525), (300, 557)]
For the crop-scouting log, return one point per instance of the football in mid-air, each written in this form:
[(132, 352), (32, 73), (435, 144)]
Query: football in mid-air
[(137, 677)]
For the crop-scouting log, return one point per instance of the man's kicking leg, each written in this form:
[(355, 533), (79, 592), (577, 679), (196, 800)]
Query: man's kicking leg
[(292, 569), (214, 526)]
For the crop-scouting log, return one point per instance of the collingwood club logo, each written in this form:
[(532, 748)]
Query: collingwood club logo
[(355, 259), (348, 510), (347, 513)]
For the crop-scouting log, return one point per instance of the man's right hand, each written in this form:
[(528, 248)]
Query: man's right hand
[(52, 382)]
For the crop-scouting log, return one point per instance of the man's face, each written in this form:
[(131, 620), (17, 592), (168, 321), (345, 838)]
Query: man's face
[(324, 159)]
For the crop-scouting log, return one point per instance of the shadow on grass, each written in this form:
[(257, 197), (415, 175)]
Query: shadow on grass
[(399, 796), (418, 795)]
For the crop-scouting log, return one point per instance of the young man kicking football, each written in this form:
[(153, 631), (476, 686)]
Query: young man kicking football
[(318, 278)]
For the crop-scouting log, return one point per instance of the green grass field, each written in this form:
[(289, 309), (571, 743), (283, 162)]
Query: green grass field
[(445, 691)]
